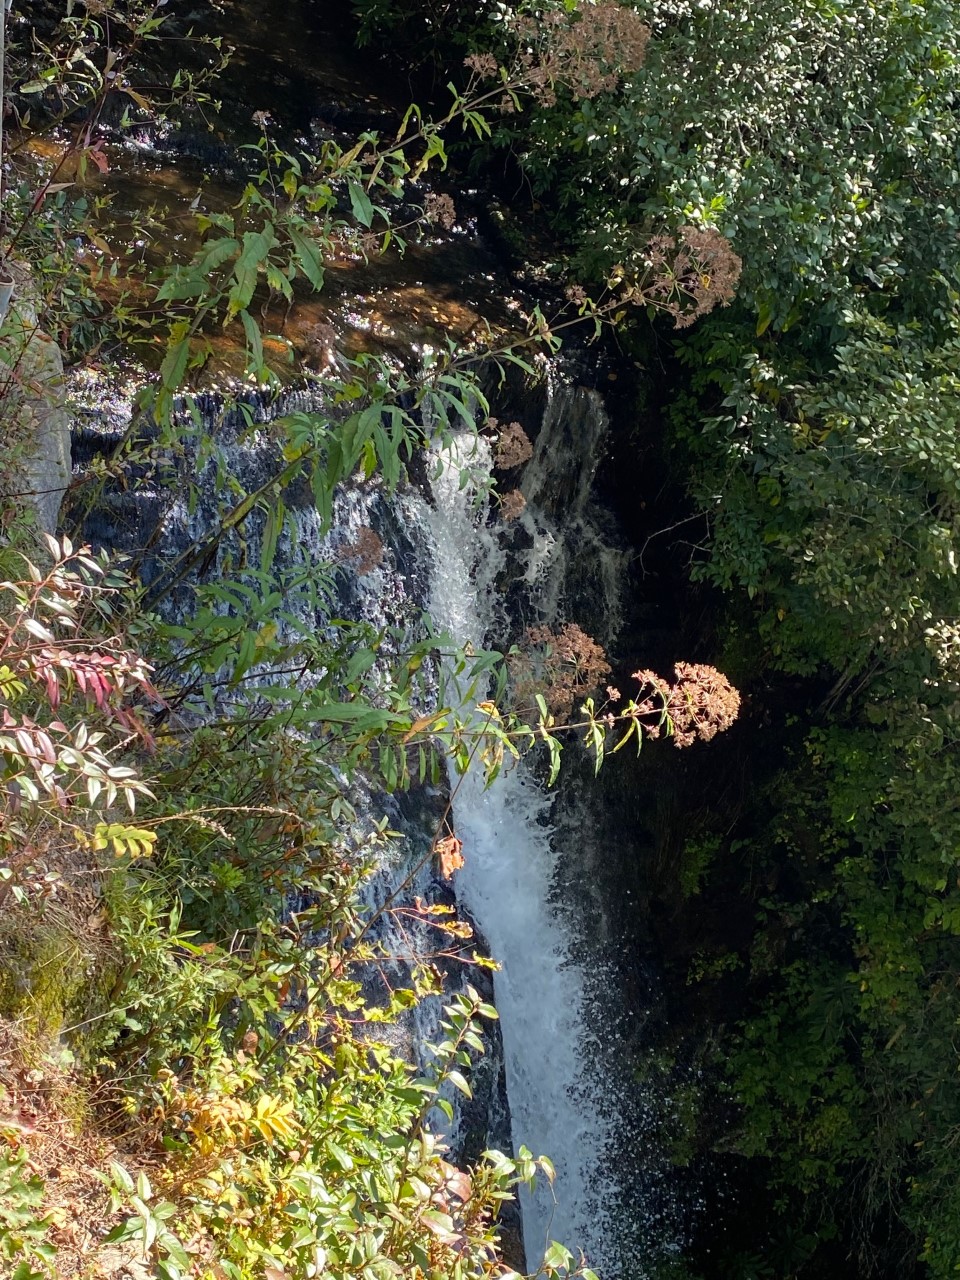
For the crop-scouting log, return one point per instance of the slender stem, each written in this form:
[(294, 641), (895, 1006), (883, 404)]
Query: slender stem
[(6, 280), (4, 4)]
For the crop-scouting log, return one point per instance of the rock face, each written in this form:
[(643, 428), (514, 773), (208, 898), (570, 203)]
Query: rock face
[(35, 420)]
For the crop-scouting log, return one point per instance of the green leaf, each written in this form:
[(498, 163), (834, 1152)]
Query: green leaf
[(361, 204), (446, 1107), (181, 284), (254, 342), (175, 361), (256, 249), (309, 257), (458, 1082), (273, 523), (361, 662), (557, 1257), (354, 712), (344, 1160), (24, 1271), (216, 253)]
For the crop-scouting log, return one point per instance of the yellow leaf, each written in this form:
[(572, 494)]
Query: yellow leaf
[(274, 1118)]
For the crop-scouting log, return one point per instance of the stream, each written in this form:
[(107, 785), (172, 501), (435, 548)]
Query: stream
[(560, 1082)]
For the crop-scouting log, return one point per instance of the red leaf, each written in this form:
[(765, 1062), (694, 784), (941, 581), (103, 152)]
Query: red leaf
[(96, 154), (53, 688)]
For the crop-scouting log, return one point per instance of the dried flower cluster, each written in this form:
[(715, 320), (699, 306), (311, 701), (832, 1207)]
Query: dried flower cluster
[(686, 275), (370, 244), (564, 666), (587, 52), (693, 272), (482, 64), (700, 704), (365, 553), (513, 447), (512, 505), (440, 209)]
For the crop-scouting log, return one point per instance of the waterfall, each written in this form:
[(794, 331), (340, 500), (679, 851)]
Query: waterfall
[(481, 580), (552, 1058)]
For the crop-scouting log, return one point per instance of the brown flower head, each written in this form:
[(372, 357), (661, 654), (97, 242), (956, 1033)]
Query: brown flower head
[(365, 553), (513, 447), (700, 704), (588, 51), (692, 273), (370, 244), (512, 505), (563, 666), (440, 209), (484, 65)]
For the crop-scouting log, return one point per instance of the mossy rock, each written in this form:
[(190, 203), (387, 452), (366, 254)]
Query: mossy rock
[(53, 972)]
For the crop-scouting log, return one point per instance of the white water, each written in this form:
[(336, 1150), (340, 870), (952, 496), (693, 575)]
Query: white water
[(554, 1081)]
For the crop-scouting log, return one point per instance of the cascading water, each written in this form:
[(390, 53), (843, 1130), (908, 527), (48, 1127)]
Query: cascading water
[(507, 883), (445, 553), (529, 878)]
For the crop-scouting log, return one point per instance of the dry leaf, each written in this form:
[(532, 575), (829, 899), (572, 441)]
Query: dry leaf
[(455, 1182), (98, 156), (449, 851), (418, 726)]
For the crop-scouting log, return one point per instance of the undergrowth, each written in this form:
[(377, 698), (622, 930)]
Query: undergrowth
[(259, 1125)]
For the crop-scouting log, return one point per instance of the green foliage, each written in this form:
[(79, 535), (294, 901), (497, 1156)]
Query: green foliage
[(814, 136), (846, 527), (233, 1031), (23, 1224), (327, 1164)]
